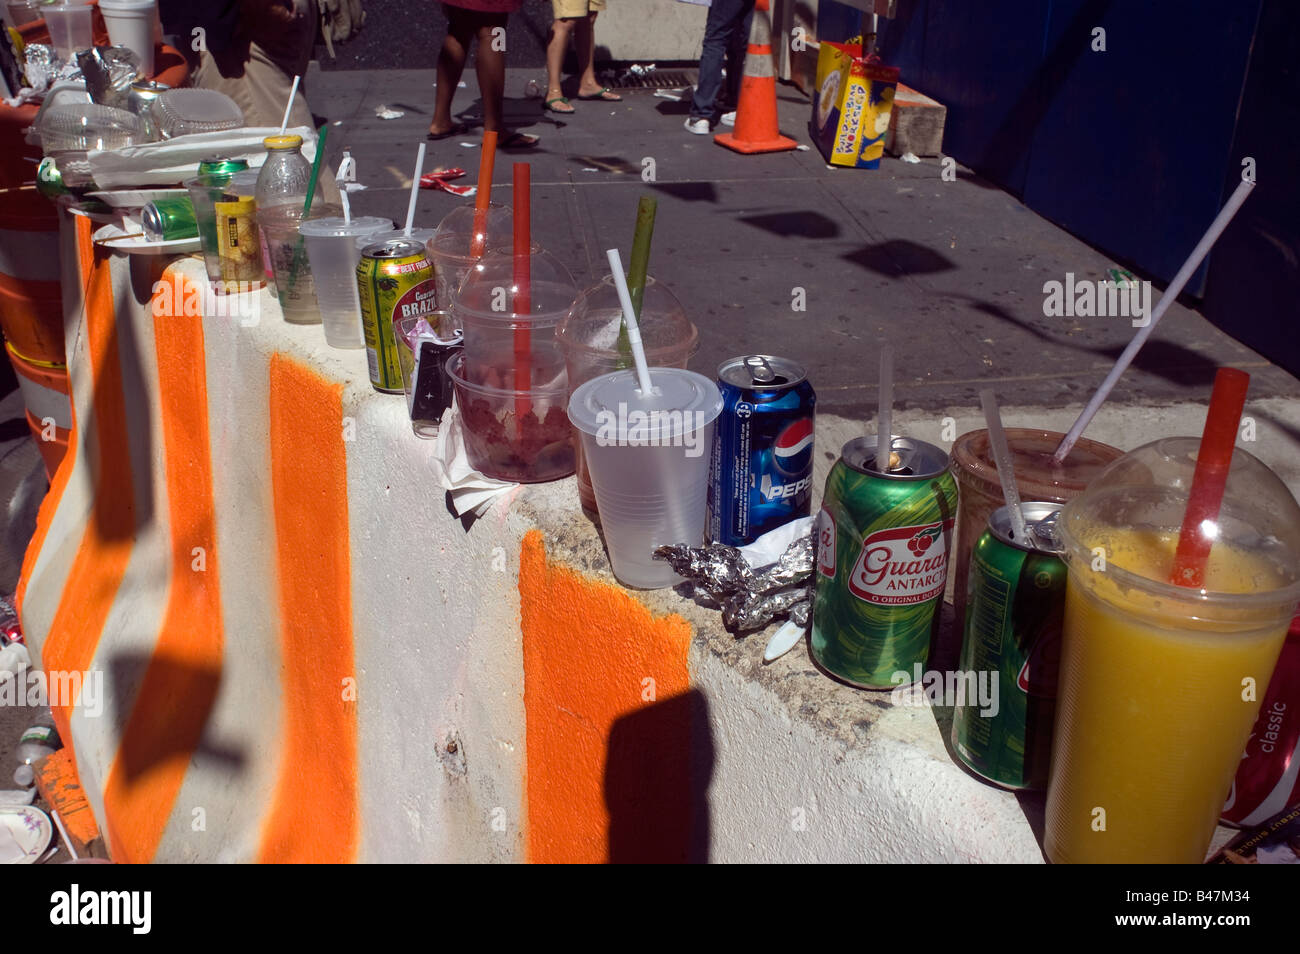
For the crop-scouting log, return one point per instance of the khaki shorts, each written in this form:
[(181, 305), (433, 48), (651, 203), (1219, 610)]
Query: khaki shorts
[(568, 9)]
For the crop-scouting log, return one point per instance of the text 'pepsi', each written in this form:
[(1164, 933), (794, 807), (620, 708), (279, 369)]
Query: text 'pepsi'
[(761, 471)]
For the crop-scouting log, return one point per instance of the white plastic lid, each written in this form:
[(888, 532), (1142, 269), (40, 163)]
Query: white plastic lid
[(684, 402), (337, 226)]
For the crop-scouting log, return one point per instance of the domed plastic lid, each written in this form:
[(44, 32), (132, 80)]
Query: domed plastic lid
[(337, 226), (455, 233), (489, 295), (612, 405), (1132, 513), (593, 325)]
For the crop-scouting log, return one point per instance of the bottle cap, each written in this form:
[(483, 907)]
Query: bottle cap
[(282, 142)]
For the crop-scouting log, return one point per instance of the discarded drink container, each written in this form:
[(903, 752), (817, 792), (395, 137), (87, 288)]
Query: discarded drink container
[(761, 471), (1015, 602), (166, 220), (882, 560)]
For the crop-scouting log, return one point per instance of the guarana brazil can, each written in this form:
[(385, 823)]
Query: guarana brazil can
[(882, 561), (1014, 611)]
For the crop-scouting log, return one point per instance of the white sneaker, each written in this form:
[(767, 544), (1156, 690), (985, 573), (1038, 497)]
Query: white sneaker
[(698, 126), (729, 119)]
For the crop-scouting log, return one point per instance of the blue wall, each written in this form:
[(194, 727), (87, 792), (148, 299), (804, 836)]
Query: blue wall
[(1128, 148)]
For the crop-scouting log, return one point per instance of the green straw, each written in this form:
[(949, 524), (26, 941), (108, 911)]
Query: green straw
[(306, 208), (638, 265)]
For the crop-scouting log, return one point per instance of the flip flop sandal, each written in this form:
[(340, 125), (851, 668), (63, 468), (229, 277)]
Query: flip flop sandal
[(550, 104), (606, 94), (460, 129), (519, 140)]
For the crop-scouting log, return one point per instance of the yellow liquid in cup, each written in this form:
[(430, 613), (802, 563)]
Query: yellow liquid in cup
[(1151, 720)]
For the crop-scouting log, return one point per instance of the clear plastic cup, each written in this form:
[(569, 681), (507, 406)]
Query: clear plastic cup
[(333, 255), (511, 434), (427, 407), (649, 463), (497, 337), (1037, 478), (293, 276), (451, 246), (588, 338), (130, 24), (1155, 700), (205, 192), (71, 28)]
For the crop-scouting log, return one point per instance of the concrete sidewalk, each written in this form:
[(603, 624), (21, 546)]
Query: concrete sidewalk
[(950, 273)]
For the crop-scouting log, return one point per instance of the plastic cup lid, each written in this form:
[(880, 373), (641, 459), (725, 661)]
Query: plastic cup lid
[(684, 402), (339, 227)]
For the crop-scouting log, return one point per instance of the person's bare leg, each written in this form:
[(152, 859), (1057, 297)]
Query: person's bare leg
[(451, 64), (491, 66), (586, 44), (561, 30)]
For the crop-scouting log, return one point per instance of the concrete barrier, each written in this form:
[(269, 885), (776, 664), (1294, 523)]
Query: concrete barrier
[(293, 652)]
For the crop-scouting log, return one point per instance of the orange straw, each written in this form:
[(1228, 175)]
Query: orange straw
[(1213, 461), (484, 194), (523, 304)]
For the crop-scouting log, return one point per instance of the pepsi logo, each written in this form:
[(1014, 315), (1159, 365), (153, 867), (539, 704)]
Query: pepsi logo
[(792, 453)]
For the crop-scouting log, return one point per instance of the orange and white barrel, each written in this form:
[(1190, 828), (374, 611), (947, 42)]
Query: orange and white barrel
[(47, 393), (31, 298)]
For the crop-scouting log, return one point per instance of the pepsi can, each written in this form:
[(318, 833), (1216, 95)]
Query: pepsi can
[(761, 472)]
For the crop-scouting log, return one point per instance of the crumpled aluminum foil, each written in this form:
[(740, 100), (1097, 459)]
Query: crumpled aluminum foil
[(749, 600), (40, 65), (109, 72)]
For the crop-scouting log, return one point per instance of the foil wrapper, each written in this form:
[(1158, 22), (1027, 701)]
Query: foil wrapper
[(109, 72), (40, 65), (749, 599)]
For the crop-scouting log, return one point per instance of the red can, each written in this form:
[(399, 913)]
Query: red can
[(1268, 779)]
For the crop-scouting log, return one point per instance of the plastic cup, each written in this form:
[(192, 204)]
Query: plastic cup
[(649, 463), (1154, 706), (205, 192), (588, 338), (501, 444), (426, 414), (495, 334), (70, 26), (333, 255), (1037, 477), (450, 247), (130, 24), (294, 286)]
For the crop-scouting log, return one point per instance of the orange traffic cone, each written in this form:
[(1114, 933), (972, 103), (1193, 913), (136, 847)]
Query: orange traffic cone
[(756, 128)]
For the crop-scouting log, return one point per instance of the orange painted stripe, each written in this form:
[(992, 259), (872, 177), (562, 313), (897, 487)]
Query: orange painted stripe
[(599, 667), (314, 817), (180, 685), (45, 515), (106, 544)]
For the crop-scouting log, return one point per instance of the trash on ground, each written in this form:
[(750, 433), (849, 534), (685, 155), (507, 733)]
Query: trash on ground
[(909, 157), (383, 112)]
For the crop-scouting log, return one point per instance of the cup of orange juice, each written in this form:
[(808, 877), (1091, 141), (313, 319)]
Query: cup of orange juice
[(1160, 684)]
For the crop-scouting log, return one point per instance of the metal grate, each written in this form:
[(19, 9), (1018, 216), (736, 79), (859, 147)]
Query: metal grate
[(655, 79)]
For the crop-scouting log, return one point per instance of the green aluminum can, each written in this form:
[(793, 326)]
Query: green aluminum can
[(221, 166), (1012, 638), (882, 560), (49, 181), (165, 220)]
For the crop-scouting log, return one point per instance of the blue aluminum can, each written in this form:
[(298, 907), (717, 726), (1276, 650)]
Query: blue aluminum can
[(761, 472)]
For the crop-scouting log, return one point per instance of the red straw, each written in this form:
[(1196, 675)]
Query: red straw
[(523, 305), (1212, 463), (486, 161)]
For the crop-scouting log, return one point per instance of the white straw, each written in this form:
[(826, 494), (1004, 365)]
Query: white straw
[(885, 412), (1168, 298), (288, 108), (629, 316), (415, 189), (347, 173), (1006, 468)]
